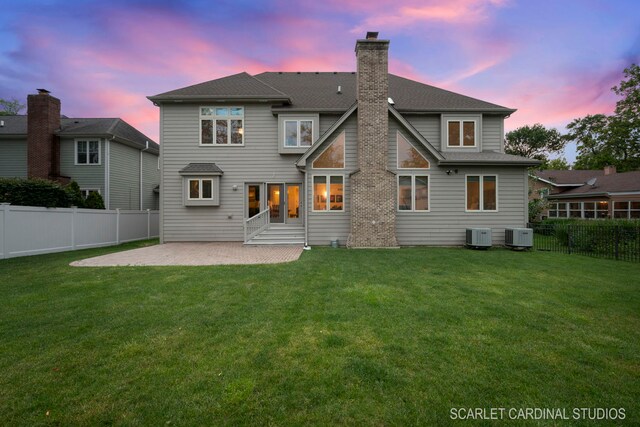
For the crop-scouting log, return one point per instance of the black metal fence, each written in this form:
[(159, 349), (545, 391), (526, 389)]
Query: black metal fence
[(602, 241)]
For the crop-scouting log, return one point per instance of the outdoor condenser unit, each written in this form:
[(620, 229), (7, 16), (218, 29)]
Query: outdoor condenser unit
[(518, 237), (478, 237)]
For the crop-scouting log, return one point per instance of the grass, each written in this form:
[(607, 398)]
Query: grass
[(356, 337)]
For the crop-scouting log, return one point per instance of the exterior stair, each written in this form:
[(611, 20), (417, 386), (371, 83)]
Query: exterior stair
[(279, 234)]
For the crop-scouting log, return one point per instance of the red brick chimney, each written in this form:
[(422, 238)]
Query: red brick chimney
[(43, 119), (609, 170), (373, 187)]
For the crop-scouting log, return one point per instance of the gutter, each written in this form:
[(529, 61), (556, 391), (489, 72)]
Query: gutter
[(488, 163)]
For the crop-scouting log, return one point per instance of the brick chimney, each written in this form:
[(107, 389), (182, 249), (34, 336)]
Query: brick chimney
[(609, 170), (43, 119), (373, 187)]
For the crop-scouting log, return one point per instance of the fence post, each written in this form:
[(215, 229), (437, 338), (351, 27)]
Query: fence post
[(148, 223), (74, 221), (117, 226), (5, 226)]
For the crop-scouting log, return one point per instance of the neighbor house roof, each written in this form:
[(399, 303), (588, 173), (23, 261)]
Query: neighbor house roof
[(625, 182), (567, 177), (84, 127), (318, 91)]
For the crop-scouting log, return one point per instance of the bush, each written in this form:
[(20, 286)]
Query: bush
[(94, 201), (33, 192), (75, 195)]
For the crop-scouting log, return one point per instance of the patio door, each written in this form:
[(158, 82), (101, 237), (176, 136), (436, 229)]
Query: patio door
[(276, 202), (294, 205)]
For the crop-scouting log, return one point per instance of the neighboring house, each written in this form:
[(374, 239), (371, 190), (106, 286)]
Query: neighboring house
[(108, 156), (590, 194), (369, 159)]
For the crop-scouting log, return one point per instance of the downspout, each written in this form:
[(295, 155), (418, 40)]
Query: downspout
[(107, 172), (306, 212), (141, 151)]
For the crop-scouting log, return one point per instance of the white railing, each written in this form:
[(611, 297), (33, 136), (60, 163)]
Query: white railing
[(256, 224), (29, 230)]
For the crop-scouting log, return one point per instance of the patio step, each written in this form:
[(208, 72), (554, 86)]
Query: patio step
[(279, 235)]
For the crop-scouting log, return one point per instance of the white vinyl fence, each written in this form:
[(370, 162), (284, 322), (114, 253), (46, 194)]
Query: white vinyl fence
[(29, 230)]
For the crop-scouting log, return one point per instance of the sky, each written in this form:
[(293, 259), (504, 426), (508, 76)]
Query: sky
[(553, 60)]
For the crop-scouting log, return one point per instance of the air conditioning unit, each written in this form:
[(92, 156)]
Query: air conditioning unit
[(478, 238), (518, 237)]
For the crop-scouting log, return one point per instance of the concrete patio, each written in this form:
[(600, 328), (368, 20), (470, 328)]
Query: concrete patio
[(195, 253)]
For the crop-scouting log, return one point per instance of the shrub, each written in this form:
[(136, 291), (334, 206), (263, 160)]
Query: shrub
[(94, 201), (33, 192), (75, 195)]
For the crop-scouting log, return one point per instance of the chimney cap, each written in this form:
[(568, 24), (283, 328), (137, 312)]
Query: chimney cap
[(43, 91), (372, 35)]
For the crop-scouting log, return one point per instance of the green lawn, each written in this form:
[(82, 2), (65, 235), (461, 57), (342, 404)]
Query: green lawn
[(358, 337)]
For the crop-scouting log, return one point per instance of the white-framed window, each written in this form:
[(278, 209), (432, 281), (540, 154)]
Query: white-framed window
[(333, 156), (462, 133), (200, 189), (328, 193), (408, 157), (626, 210), (87, 151), (298, 133), (481, 193), (222, 126), (413, 193), (86, 191)]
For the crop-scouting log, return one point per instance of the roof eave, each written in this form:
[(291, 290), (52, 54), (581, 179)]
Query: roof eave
[(223, 98), (195, 173), (577, 195), (502, 111), (450, 162)]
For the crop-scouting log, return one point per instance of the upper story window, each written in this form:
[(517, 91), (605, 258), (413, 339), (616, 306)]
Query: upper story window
[(461, 133), (408, 156), (87, 151), (298, 133), (228, 123), (333, 156)]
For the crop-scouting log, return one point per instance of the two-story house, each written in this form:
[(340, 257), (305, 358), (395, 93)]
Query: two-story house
[(365, 158), (105, 155)]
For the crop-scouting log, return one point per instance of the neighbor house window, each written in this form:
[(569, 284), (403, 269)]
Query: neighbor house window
[(413, 193), (201, 189), (408, 156), (482, 193), (626, 210), (298, 133), (221, 125), (328, 193), (461, 133), (333, 156), (88, 152)]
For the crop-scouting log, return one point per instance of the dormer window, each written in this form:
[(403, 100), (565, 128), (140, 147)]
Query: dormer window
[(222, 126), (461, 133), (298, 133)]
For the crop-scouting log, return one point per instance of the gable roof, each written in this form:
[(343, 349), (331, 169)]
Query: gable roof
[(318, 92), (567, 177), (624, 182), (236, 86), (84, 127)]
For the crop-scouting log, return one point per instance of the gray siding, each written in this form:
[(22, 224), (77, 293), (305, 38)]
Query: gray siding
[(150, 179), (492, 133), (257, 161), (87, 176), (447, 220), (13, 158), (323, 227), (124, 176), (428, 126)]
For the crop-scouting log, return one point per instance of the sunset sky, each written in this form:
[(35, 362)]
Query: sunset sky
[(553, 60)]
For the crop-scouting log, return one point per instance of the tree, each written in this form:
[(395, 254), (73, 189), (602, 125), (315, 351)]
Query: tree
[(556, 164), (10, 108), (535, 142), (611, 140)]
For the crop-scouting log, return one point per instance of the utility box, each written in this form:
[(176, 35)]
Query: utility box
[(478, 238), (518, 238)]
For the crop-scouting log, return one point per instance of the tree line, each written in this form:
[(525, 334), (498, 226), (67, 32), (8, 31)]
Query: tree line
[(601, 139)]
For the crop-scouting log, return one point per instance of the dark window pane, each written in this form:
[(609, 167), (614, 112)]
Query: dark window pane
[(468, 134), (206, 189), (82, 151), (454, 134), (236, 131), (194, 189), (221, 132), (404, 193), (621, 205), (489, 193), (306, 133), (207, 131), (291, 133), (422, 193), (473, 193)]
